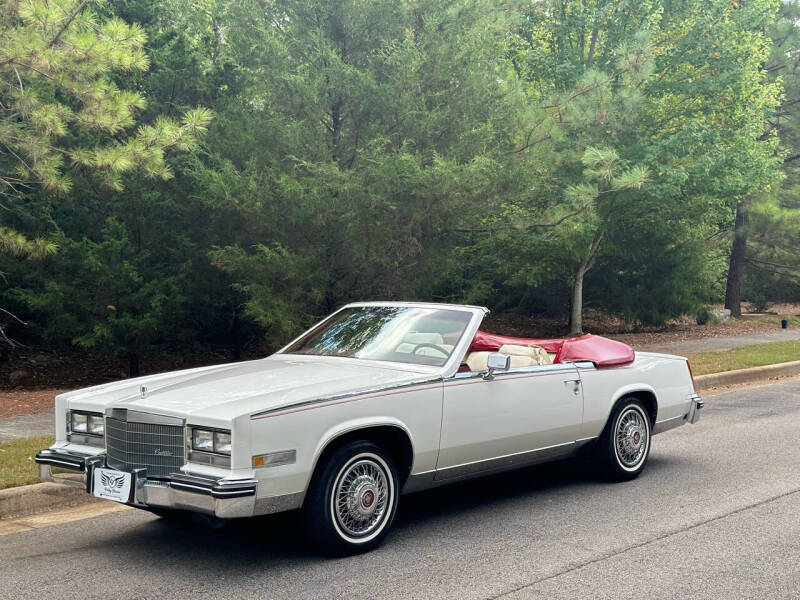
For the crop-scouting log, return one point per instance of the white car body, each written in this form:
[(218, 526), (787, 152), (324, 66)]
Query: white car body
[(288, 409)]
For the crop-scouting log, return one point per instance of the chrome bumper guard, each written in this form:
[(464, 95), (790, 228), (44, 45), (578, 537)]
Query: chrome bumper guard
[(223, 498), (694, 409)]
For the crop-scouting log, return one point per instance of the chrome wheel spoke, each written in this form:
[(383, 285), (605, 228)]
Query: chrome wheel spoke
[(361, 498), (631, 438)]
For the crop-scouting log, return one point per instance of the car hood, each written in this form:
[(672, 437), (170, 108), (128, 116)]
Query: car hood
[(232, 390)]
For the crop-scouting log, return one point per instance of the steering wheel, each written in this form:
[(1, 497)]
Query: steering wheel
[(444, 351)]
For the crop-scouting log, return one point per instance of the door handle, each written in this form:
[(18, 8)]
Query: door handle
[(576, 385)]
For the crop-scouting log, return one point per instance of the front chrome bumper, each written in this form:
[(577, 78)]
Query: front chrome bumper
[(223, 498)]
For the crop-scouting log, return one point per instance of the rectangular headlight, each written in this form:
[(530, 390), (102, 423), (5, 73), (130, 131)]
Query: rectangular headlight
[(84, 427), (96, 425), (222, 442), (79, 423), (203, 440)]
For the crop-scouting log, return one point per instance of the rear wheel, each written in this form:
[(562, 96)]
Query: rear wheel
[(352, 499), (625, 444)]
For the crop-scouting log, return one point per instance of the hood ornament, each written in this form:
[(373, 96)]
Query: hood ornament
[(143, 392)]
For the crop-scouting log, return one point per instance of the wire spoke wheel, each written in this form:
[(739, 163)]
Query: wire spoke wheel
[(631, 437), (362, 496)]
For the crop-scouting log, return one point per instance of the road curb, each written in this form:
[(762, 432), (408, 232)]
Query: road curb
[(749, 375), (39, 497)]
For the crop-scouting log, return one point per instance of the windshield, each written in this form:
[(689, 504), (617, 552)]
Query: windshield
[(423, 336)]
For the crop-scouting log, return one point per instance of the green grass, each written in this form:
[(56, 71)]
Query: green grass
[(17, 466), (793, 320), (758, 355)]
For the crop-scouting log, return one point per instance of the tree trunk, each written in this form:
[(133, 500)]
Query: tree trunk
[(237, 338), (576, 307), (133, 364), (733, 289)]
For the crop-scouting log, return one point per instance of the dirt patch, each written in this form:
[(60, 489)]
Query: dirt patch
[(72, 369), (26, 402)]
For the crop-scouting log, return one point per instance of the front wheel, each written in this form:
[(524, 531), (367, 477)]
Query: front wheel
[(625, 444), (352, 499)]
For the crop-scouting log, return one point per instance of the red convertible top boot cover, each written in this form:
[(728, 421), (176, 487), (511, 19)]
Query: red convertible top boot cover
[(602, 351)]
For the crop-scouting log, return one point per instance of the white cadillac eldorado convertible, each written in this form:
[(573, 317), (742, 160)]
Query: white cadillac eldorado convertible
[(379, 399)]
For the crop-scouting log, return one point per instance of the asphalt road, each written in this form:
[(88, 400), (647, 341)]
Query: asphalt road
[(715, 515)]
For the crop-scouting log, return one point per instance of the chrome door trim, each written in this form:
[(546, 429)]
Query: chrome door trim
[(532, 369), (509, 461), (135, 416)]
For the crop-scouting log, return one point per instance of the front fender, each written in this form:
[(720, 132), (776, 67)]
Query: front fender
[(351, 425)]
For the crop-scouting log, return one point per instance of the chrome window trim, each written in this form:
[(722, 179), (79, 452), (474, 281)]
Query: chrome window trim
[(557, 368)]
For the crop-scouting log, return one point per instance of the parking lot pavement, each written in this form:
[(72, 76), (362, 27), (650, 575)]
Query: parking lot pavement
[(715, 515), (25, 426)]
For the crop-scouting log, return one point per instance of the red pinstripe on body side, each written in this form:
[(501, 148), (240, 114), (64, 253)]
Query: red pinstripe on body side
[(345, 401), (404, 391)]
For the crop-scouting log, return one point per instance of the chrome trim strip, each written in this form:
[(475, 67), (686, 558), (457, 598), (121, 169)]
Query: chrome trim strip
[(506, 456), (136, 416), (91, 439), (557, 368), (591, 438), (417, 482), (76, 479), (64, 463), (208, 458), (466, 375), (276, 504), (346, 395), (585, 364), (507, 461), (694, 409), (533, 369), (62, 457), (667, 424)]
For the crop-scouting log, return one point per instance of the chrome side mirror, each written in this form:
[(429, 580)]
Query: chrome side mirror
[(497, 362)]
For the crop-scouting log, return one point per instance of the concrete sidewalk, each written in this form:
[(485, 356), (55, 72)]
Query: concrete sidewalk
[(724, 343), (26, 426)]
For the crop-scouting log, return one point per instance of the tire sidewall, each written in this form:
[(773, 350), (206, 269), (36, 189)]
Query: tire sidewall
[(322, 526), (614, 467)]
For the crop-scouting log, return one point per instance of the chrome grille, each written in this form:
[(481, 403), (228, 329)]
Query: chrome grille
[(157, 448)]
